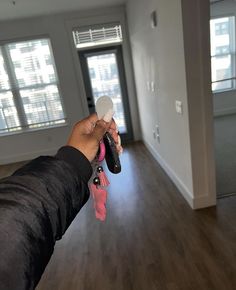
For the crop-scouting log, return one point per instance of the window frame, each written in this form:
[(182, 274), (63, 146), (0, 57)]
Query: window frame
[(231, 53), (27, 128)]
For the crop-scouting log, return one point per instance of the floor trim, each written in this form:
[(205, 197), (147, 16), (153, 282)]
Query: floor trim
[(197, 202), (224, 195), (179, 184)]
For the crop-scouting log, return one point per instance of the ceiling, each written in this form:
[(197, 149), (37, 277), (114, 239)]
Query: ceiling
[(12, 9)]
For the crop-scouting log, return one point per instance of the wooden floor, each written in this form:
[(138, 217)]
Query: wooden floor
[(150, 240)]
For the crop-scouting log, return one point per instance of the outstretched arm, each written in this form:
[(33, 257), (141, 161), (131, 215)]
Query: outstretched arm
[(40, 200)]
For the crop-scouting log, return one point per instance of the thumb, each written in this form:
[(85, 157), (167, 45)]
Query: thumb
[(100, 129)]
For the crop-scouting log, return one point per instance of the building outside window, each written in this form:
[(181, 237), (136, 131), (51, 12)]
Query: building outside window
[(222, 27), (223, 53), (105, 81), (29, 88)]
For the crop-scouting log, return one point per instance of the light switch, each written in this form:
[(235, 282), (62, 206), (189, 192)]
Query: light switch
[(179, 107)]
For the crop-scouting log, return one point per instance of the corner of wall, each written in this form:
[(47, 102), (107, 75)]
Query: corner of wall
[(179, 184), (200, 101)]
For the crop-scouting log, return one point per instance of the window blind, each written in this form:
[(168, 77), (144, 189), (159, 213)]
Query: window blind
[(29, 89), (97, 35), (8, 113)]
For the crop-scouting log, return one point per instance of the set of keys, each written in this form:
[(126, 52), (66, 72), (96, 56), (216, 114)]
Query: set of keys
[(107, 152)]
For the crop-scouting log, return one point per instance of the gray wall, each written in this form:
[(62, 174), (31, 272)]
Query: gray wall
[(165, 55), (24, 146)]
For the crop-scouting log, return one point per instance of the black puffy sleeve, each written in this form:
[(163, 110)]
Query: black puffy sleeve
[(37, 204)]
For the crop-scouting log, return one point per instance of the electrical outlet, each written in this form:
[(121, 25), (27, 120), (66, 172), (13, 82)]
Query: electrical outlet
[(158, 133), (179, 107), (152, 86)]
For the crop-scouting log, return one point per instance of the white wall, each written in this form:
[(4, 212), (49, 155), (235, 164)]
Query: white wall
[(24, 146), (159, 55), (224, 102), (196, 17)]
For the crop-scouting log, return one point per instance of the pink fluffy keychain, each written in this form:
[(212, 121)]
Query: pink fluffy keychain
[(99, 193)]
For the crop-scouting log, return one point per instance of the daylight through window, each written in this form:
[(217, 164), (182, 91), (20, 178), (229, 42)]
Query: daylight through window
[(223, 53), (29, 90)]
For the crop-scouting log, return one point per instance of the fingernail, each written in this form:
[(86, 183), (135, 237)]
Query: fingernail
[(119, 141), (108, 116), (117, 130)]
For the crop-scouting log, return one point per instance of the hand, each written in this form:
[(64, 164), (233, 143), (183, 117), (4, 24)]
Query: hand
[(87, 134)]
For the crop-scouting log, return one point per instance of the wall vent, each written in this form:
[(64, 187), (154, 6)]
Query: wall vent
[(97, 35)]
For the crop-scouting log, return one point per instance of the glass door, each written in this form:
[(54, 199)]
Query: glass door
[(103, 73)]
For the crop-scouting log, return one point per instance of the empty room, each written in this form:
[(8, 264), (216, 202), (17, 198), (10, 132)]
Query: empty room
[(117, 142)]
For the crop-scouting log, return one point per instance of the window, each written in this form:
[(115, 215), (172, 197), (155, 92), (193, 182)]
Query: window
[(222, 27), (223, 49), (92, 73), (223, 53), (114, 72), (29, 93)]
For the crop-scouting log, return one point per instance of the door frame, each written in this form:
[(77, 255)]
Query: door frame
[(117, 49)]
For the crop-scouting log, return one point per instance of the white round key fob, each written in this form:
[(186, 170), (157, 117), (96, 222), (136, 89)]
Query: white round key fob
[(104, 107)]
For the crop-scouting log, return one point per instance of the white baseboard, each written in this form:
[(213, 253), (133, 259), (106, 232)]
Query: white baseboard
[(179, 184), (194, 202), (27, 156), (204, 201)]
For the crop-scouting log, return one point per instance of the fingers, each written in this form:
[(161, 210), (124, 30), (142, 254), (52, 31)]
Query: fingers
[(113, 131), (87, 134), (113, 125), (100, 129), (86, 125), (115, 135), (92, 118)]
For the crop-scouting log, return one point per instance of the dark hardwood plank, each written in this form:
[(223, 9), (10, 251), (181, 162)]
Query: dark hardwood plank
[(151, 239)]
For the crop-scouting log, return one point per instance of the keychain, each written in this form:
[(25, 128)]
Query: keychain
[(107, 151), (98, 186)]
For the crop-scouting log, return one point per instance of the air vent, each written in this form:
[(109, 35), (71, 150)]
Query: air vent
[(95, 36)]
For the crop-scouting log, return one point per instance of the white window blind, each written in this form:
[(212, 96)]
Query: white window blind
[(97, 35), (29, 89), (8, 113)]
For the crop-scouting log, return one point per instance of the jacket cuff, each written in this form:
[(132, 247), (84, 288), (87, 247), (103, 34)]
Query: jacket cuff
[(77, 159)]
